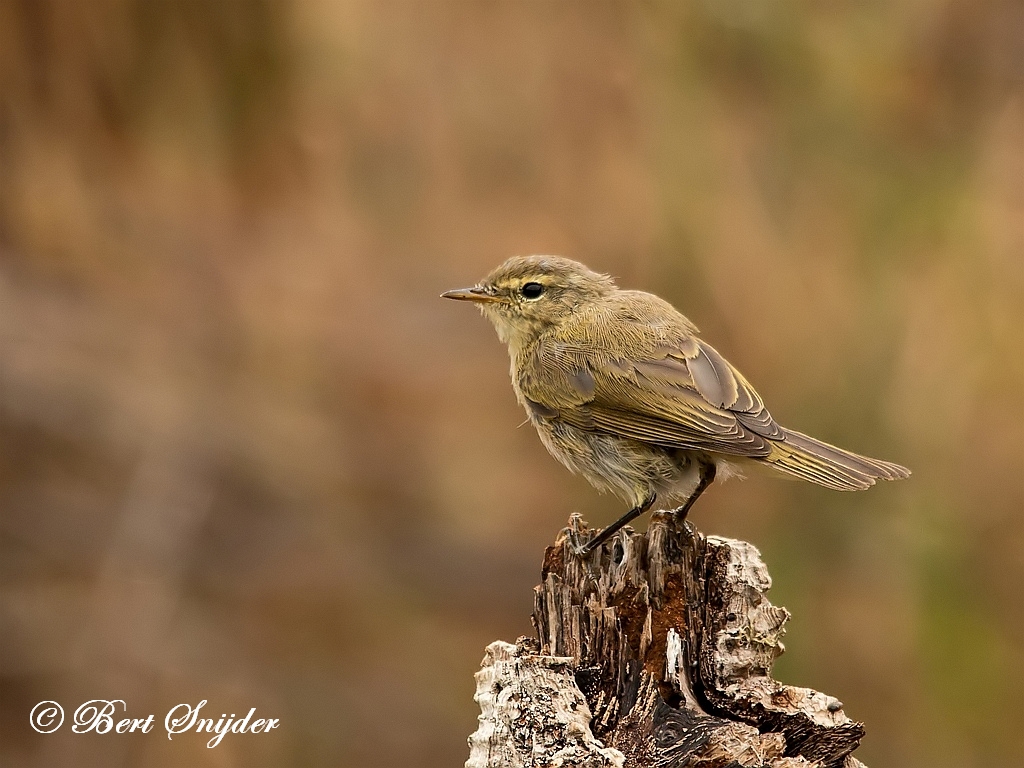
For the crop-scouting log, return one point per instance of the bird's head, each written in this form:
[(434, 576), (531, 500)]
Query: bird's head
[(528, 295)]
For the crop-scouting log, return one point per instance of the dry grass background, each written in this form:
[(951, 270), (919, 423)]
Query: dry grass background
[(247, 455)]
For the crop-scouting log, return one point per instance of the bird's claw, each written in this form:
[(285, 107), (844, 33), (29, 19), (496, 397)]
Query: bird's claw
[(582, 551), (577, 545)]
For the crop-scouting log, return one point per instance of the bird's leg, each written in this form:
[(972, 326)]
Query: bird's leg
[(608, 532), (707, 477)]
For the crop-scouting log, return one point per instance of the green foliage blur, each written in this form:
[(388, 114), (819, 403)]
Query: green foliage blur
[(248, 455)]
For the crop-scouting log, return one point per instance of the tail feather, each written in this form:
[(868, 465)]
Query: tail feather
[(824, 464)]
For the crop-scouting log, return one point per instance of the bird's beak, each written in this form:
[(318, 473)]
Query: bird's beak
[(470, 294)]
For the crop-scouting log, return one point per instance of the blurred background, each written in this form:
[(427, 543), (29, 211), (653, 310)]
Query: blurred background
[(248, 455)]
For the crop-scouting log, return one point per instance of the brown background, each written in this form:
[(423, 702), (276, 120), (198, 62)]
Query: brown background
[(247, 455)]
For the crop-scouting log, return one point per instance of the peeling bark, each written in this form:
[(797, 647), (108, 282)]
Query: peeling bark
[(655, 651)]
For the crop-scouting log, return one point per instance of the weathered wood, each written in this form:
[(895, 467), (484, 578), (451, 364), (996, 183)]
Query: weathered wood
[(655, 651)]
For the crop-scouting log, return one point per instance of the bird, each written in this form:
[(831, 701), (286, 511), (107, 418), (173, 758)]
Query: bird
[(624, 392)]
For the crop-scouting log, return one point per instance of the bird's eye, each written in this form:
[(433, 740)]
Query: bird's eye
[(532, 290)]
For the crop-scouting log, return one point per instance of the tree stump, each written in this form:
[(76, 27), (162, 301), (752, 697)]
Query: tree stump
[(655, 651)]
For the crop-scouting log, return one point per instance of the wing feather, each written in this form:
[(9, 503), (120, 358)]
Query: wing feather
[(635, 368), (661, 397)]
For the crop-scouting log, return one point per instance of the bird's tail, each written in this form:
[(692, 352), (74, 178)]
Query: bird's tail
[(824, 464)]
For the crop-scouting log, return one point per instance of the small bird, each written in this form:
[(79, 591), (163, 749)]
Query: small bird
[(623, 391)]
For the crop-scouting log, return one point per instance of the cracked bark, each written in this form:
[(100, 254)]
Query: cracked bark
[(656, 651)]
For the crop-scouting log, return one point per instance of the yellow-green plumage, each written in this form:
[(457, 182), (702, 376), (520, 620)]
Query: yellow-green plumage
[(624, 392)]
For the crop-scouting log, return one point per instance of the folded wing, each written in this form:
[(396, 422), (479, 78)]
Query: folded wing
[(681, 393)]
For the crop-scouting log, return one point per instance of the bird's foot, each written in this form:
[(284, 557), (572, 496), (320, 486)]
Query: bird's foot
[(678, 520), (680, 513), (575, 540), (580, 543)]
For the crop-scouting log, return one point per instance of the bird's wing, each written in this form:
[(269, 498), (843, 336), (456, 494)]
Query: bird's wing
[(674, 391)]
